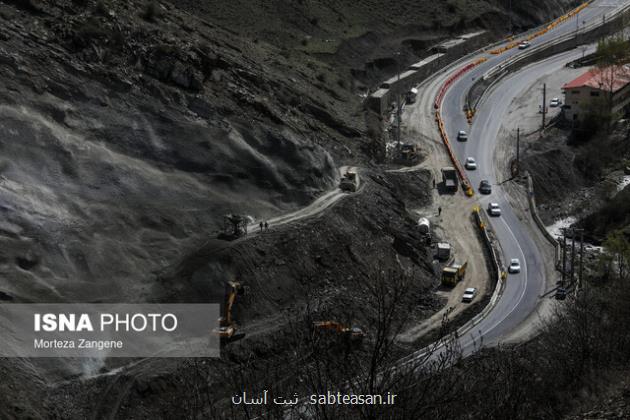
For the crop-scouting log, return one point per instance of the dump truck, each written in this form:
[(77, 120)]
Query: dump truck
[(449, 178), (349, 181), (453, 274)]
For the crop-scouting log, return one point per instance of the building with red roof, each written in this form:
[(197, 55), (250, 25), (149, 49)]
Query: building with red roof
[(612, 84)]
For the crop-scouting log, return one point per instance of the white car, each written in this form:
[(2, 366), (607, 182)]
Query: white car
[(494, 209), (469, 294), (462, 136), (523, 45), (555, 102), (515, 266), (470, 164)]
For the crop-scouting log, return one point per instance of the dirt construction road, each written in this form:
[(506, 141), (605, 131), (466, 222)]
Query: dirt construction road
[(455, 224)]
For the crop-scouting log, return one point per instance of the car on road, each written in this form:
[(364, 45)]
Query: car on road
[(561, 293), (470, 164), (469, 294), (515, 266), (494, 209), (555, 102), (485, 187), (462, 136), (523, 45)]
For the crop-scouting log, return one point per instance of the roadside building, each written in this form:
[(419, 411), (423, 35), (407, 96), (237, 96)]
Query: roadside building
[(611, 84)]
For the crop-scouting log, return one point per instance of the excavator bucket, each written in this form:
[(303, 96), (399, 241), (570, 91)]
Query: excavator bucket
[(227, 327)]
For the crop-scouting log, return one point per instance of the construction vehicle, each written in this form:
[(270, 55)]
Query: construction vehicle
[(411, 96), (234, 226), (353, 333), (227, 327), (443, 251), (349, 181), (449, 178), (424, 225), (407, 154), (453, 274)]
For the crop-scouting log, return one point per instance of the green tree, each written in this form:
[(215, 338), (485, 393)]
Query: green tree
[(617, 245), (612, 53)]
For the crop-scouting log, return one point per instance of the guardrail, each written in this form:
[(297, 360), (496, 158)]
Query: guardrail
[(544, 30), (498, 271), (502, 277), (503, 69), (498, 268), (513, 62), (534, 212), (465, 182), (438, 99)]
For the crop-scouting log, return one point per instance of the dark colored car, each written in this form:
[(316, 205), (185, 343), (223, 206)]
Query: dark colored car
[(561, 293), (485, 187)]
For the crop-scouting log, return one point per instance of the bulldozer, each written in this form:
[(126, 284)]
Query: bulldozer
[(407, 154), (227, 327), (453, 274), (355, 334), (349, 182), (234, 226)]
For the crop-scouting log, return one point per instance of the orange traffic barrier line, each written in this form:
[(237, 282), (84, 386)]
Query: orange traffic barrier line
[(466, 186), (460, 172), (543, 31)]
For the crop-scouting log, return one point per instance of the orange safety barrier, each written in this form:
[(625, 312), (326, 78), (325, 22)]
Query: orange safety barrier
[(546, 29), (454, 77), (465, 182), (438, 119)]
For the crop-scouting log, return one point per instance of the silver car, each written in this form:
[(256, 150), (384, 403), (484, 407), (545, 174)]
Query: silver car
[(515, 266), (469, 294), (494, 209)]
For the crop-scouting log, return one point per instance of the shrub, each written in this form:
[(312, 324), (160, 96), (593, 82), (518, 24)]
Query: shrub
[(151, 12), (101, 8)]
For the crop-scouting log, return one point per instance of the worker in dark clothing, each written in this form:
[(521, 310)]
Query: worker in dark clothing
[(261, 226), (266, 226), (439, 211)]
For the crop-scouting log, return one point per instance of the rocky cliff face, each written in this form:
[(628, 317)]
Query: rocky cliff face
[(126, 139), (129, 128)]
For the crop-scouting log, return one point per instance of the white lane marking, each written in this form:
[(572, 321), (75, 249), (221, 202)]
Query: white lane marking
[(522, 253)]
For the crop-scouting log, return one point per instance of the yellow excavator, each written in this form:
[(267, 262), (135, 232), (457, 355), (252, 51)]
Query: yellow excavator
[(354, 333), (227, 327)]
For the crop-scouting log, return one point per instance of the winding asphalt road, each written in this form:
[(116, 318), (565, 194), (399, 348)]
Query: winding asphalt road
[(521, 293)]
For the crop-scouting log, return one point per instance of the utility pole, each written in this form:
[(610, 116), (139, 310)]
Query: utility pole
[(398, 100), (518, 150), (581, 256), (511, 30), (544, 107), (564, 255), (572, 255), (577, 27)]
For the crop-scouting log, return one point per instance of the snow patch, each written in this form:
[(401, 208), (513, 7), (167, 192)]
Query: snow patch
[(625, 181), (556, 228)]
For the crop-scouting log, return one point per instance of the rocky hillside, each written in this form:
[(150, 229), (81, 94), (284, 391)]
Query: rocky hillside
[(354, 33), (129, 128)]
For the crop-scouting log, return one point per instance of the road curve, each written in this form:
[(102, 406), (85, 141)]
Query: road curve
[(521, 292)]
